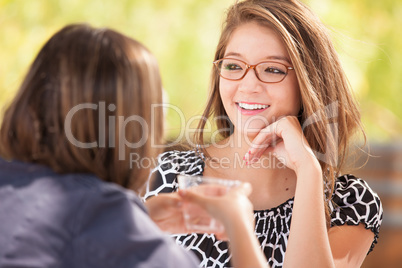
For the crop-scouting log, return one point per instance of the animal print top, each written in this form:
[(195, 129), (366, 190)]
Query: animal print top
[(356, 203)]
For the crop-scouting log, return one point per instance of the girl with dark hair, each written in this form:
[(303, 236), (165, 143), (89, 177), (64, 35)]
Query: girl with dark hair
[(65, 173)]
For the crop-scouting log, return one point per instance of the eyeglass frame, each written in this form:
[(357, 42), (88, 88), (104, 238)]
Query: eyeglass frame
[(251, 66)]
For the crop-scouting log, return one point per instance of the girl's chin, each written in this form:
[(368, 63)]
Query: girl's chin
[(251, 131)]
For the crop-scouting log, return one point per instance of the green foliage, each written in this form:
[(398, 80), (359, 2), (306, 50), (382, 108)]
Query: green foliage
[(183, 34), (368, 35)]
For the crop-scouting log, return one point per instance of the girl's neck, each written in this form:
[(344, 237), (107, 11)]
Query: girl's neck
[(272, 182), (231, 151), (237, 143)]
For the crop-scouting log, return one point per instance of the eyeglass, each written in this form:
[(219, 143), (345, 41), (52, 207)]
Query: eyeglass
[(266, 71)]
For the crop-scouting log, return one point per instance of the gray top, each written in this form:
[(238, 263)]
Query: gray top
[(77, 220)]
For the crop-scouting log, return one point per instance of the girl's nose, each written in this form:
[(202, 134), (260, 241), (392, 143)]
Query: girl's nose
[(250, 83)]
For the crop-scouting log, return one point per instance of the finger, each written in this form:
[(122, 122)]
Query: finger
[(170, 199), (175, 226), (263, 138), (158, 204), (190, 196), (256, 156), (262, 141), (212, 189), (255, 153), (244, 188), (269, 136), (271, 133), (174, 202)]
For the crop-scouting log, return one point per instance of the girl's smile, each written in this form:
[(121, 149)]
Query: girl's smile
[(250, 108), (250, 103)]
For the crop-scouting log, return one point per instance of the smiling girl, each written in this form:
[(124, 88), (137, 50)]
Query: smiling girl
[(280, 96)]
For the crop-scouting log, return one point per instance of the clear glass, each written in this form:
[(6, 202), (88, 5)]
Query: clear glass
[(266, 71), (196, 218)]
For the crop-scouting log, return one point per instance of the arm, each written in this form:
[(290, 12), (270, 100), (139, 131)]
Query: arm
[(321, 248), (358, 239), (340, 246), (234, 210), (114, 230), (356, 221), (309, 223)]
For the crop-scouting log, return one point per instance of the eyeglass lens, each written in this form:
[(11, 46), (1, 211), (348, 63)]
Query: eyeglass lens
[(269, 72)]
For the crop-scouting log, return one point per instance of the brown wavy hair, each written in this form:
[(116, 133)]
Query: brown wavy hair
[(80, 105), (326, 95)]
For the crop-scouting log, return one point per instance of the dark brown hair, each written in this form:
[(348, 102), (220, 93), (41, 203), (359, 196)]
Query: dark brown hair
[(83, 105)]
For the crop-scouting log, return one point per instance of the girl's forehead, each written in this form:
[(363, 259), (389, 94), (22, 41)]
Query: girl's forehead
[(253, 39)]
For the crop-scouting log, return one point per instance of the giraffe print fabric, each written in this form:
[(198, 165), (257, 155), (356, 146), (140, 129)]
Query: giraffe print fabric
[(355, 203)]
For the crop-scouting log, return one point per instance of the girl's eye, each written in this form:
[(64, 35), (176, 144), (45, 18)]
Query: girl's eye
[(232, 67), (274, 70)]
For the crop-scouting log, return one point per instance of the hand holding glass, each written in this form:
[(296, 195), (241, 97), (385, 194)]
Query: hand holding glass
[(196, 218)]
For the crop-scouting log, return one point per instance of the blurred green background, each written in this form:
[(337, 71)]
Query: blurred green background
[(183, 34)]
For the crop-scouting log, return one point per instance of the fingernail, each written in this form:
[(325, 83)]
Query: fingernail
[(246, 157), (182, 193), (254, 160)]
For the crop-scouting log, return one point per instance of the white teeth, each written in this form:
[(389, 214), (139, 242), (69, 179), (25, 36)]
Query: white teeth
[(252, 106)]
